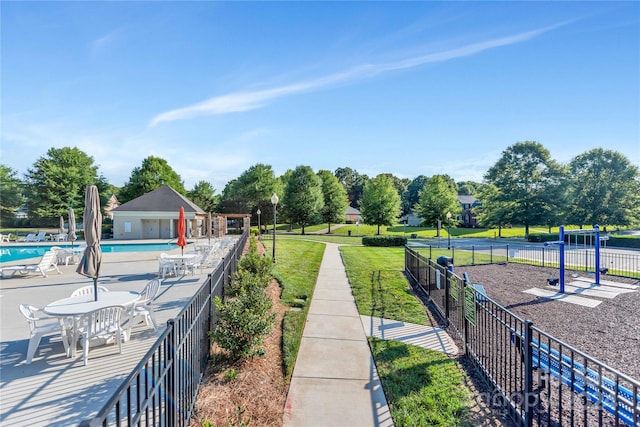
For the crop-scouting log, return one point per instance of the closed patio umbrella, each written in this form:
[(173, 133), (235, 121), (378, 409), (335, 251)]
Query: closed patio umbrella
[(182, 241), (209, 226), (92, 258), (61, 224), (72, 228)]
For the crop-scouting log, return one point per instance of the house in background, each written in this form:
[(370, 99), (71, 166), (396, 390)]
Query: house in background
[(154, 215), (466, 217), (410, 220), (353, 215)]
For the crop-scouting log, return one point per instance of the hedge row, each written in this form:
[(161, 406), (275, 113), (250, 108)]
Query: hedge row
[(384, 241), (621, 242)]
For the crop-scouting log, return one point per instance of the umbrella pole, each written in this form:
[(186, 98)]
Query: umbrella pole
[(95, 289)]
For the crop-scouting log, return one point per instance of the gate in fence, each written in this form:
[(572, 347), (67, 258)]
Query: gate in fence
[(537, 379), (162, 389)]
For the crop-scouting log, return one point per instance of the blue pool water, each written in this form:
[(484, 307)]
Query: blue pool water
[(12, 253)]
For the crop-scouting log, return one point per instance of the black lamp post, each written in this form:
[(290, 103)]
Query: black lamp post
[(259, 231), (274, 202), (448, 230)]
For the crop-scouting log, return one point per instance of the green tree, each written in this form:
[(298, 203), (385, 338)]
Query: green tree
[(494, 210), (57, 181), (303, 200), (153, 173), (412, 193), (251, 191), (353, 182), (335, 198), (604, 189), (380, 204), (529, 182), (468, 188), (11, 198), (203, 195), (438, 196)]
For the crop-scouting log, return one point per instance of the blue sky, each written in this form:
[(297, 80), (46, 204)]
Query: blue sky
[(408, 88)]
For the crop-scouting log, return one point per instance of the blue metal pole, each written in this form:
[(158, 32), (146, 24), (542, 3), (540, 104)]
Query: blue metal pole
[(562, 259), (597, 228)]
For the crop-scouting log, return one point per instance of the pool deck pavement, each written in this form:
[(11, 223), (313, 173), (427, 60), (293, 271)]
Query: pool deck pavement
[(58, 391)]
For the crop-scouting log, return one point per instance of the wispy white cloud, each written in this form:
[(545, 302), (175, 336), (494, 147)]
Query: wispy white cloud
[(252, 100), (106, 41)]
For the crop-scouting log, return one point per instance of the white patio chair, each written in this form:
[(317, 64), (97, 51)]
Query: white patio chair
[(166, 266), (144, 306), (64, 256), (39, 330), (4, 238), (104, 324), (88, 290)]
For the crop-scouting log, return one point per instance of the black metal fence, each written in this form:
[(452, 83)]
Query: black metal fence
[(162, 389), (577, 258), (537, 379)]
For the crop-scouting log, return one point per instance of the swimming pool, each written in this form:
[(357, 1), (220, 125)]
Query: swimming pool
[(12, 253)]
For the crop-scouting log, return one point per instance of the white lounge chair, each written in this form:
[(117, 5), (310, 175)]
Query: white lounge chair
[(31, 237), (103, 324), (144, 306), (48, 262), (41, 237), (39, 330)]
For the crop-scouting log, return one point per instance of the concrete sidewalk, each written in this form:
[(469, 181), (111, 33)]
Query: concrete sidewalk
[(334, 380)]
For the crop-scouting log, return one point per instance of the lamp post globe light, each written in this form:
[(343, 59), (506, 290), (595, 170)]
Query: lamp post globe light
[(448, 230), (274, 202), (259, 231)]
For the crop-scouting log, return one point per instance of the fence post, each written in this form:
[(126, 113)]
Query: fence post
[(473, 255), (507, 253), (447, 291), (465, 322), (170, 395), (528, 401)]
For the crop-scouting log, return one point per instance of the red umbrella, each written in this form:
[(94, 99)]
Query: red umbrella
[(182, 242)]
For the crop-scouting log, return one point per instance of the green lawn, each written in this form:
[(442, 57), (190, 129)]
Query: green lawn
[(378, 284), (298, 263), (423, 387)]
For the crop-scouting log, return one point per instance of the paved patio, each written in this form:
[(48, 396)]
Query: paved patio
[(58, 391)]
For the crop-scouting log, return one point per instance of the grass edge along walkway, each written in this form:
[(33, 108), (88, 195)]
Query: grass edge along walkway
[(422, 386), (444, 398)]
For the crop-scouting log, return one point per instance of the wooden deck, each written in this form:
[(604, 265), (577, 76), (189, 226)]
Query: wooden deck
[(58, 391)]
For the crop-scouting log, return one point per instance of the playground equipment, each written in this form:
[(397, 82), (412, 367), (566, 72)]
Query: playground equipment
[(585, 381), (561, 243)]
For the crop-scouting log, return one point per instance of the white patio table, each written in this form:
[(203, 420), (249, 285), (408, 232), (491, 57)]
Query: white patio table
[(181, 261), (75, 307)]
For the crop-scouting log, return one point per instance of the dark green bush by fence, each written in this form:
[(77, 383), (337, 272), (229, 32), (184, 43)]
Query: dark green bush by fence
[(384, 241)]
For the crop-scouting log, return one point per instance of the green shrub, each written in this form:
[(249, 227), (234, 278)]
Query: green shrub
[(256, 264), (245, 280), (243, 322), (624, 242), (384, 241), (543, 237)]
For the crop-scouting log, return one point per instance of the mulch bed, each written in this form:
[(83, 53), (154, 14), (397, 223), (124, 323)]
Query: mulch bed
[(609, 332)]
